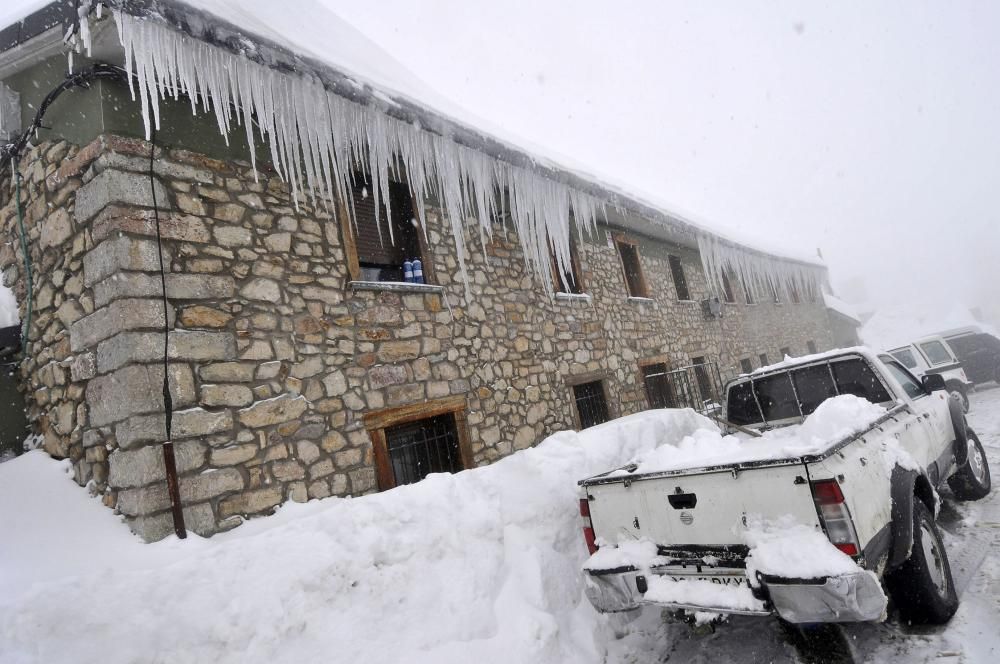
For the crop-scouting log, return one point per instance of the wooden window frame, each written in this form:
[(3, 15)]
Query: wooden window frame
[(680, 265), (622, 239), (589, 377), (348, 240), (575, 268), (376, 422), (727, 288)]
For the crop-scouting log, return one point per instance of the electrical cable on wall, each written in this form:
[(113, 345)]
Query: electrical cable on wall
[(169, 462)]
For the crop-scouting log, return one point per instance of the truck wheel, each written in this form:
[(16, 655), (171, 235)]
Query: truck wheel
[(972, 480), (922, 587)]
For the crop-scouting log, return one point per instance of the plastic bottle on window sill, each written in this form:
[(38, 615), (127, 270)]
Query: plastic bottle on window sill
[(408, 272), (418, 271)]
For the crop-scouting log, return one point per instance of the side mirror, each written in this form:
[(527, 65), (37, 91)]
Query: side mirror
[(933, 382)]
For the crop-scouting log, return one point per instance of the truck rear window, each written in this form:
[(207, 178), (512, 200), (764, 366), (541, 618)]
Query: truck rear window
[(772, 398)]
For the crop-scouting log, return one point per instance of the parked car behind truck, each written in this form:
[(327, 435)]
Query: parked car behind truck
[(932, 354), (978, 351), (867, 496)]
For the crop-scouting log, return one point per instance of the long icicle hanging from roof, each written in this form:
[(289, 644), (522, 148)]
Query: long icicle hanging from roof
[(762, 274), (316, 138)]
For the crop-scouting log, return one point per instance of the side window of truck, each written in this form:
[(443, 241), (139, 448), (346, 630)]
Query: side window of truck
[(855, 377), (913, 389)]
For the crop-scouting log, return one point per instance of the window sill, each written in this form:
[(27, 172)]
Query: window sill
[(641, 300), (689, 301), (395, 287), (573, 297)]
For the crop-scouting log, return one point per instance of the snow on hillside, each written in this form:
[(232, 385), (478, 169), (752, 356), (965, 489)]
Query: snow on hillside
[(8, 307), (480, 566)]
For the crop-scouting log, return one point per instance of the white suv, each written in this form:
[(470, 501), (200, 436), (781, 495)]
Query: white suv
[(933, 355)]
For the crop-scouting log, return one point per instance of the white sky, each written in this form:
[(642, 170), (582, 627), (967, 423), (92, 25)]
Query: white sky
[(871, 132)]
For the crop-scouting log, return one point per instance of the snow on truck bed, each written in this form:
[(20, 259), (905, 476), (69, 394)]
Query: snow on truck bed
[(832, 421), (482, 566)]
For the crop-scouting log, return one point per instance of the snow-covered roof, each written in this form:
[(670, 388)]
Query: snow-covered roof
[(323, 94), (846, 310)]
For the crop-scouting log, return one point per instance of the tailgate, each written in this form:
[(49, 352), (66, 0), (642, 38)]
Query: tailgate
[(699, 510)]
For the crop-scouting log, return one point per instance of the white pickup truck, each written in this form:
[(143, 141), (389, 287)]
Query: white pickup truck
[(819, 504)]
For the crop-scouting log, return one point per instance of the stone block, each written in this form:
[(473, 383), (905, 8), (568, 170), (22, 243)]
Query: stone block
[(251, 502), (200, 346), (113, 186), (397, 351), (232, 455), (232, 236), (197, 518), (55, 229), (307, 368), (335, 384), (263, 289), (273, 411), (119, 316), (200, 422), (132, 468), (229, 372), (127, 391), (116, 219), (199, 287), (287, 471), (121, 254), (226, 395), (307, 451), (202, 316), (362, 480), (278, 242), (84, 367), (384, 375)]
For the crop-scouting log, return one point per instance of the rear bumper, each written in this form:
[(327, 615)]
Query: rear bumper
[(854, 597)]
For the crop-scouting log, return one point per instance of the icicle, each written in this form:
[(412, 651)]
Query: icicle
[(317, 140)]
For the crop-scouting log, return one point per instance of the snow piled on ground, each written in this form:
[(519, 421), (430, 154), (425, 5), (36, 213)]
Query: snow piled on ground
[(8, 307), (832, 421), (479, 566)]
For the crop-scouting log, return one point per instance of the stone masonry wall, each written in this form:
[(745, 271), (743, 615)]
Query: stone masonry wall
[(275, 358)]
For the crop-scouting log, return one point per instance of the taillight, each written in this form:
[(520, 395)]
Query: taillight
[(835, 516), (588, 526)]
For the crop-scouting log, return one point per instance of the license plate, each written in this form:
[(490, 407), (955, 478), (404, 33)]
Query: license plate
[(732, 581)]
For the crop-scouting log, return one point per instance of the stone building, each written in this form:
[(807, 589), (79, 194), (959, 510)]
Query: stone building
[(300, 364)]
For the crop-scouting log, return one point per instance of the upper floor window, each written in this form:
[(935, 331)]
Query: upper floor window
[(680, 281), (727, 287), (568, 280), (632, 267), (746, 365), (763, 359), (811, 345), (377, 250)]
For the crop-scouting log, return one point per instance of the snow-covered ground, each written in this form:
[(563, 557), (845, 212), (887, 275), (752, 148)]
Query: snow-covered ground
[(481, 566)]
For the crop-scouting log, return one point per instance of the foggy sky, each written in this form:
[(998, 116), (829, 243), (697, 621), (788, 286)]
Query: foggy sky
[(868, 131)]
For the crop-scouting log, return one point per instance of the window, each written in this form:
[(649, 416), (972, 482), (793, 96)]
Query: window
[(727, 288), (376, 250), (905, 356), (591, 405), (913, 389), (936, 353), (746, 365), (659, 391), (569, 281), (410, 442), (811, 345), (856, 377), (774, 397), (785, 352), (634, 278), (763, 359), (680, 281)]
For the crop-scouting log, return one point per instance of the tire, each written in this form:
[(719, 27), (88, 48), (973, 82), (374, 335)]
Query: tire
[(972, 480), (922, 587)]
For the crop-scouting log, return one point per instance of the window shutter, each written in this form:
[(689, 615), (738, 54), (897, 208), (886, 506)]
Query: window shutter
[(374, 244)]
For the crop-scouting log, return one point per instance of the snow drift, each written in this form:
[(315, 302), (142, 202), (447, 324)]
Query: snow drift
[(479, 566)]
